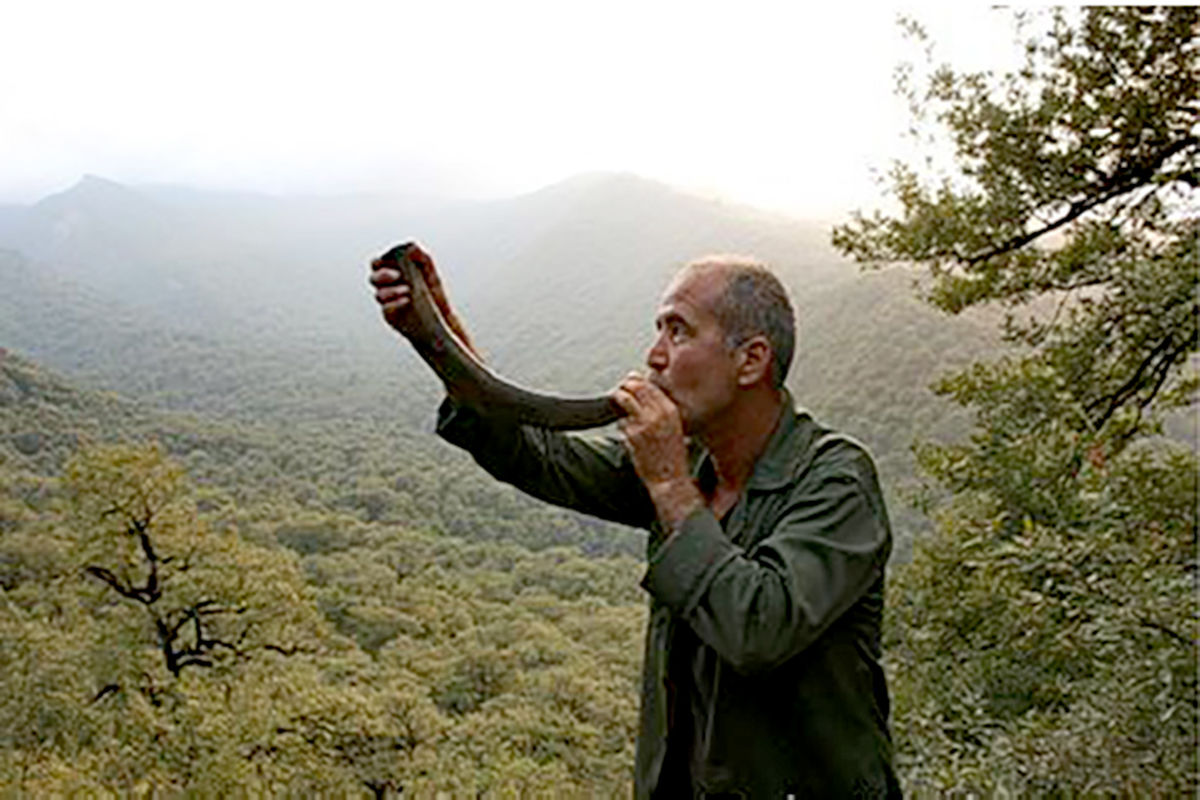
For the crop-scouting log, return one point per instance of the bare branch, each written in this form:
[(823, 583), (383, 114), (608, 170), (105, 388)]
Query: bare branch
[(111, 688), (125, 591), (1179, 637)]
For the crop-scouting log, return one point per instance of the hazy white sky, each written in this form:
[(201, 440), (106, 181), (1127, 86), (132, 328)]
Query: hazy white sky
[(784, 105)]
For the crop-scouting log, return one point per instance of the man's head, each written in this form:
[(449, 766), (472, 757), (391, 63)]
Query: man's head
[(725, 326)]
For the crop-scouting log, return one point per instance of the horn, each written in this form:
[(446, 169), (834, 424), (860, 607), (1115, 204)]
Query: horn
[(467, 379)]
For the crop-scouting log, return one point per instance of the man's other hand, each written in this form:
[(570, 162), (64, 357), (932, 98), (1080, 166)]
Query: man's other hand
[(392, 293), (394, 296)]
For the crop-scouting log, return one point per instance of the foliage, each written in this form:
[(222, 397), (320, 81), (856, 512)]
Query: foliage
[(1075, 186), (1055, 659), (393, 662), (375, 470), (1046, 632), (210, 600)]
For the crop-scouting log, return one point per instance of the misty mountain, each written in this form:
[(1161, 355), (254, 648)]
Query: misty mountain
[(202, 260), (256, 308), (590, 282), (334, 474), (248, 263), (576, 267)]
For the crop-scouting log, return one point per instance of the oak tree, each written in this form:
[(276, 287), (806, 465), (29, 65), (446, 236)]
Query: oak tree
[(1045, 634)]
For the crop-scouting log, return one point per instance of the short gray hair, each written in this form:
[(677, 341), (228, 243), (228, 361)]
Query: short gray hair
[(753, 303)]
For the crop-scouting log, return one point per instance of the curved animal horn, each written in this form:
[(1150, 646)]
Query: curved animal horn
[(467, 379)]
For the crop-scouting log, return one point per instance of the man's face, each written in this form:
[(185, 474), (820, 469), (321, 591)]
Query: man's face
[(689, 359)]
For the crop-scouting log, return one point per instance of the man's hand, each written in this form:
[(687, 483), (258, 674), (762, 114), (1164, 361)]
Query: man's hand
[(654, 433), (395, 296)]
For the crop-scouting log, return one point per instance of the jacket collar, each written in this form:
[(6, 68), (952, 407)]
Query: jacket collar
[(786, 454)]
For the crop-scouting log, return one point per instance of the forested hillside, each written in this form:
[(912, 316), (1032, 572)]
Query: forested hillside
[(255, 309), (348, 601), (167, 635), (370, 470)]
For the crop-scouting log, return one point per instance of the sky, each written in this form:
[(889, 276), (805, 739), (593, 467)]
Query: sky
[(785, 106)]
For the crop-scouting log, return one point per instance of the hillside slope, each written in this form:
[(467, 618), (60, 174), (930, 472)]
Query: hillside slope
[(255, 309), (372, 469)]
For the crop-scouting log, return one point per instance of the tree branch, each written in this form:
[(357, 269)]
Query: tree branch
[(107, 690), (1158, 362), (140, 528), (103, 574), (1114, 186), (1158, 626), (290, 650)]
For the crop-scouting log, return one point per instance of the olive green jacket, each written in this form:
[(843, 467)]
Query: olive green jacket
[(784, 598)]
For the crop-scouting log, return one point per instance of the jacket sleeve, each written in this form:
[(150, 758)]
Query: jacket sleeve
[(761, 606), (586, 473)]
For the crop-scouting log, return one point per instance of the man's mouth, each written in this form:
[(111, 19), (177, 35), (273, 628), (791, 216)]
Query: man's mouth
[(662, 387)]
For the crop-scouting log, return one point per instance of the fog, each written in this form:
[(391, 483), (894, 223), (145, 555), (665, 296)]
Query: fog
[(791, 109)]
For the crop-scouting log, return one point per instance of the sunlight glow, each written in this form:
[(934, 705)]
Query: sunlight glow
[(780, 106)]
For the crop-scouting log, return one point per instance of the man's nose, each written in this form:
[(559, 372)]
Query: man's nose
[(656, 356)]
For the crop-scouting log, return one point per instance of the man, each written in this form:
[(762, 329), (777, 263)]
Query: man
[(768, 541)]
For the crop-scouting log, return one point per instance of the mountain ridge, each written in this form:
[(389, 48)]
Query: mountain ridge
[(272, 322)]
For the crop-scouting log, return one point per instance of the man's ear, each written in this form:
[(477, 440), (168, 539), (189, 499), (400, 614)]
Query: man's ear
[(755, 360)]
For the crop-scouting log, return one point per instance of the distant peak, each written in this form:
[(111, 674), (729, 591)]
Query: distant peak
[(89, 179), (96, 183), (93, 188), (603, 178), (600, 183)]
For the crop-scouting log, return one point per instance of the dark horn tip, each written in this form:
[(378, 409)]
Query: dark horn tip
[(398, 252)]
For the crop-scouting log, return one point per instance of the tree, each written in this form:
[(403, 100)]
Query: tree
[(1047, 629), (209, 599), (1076, 187)]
